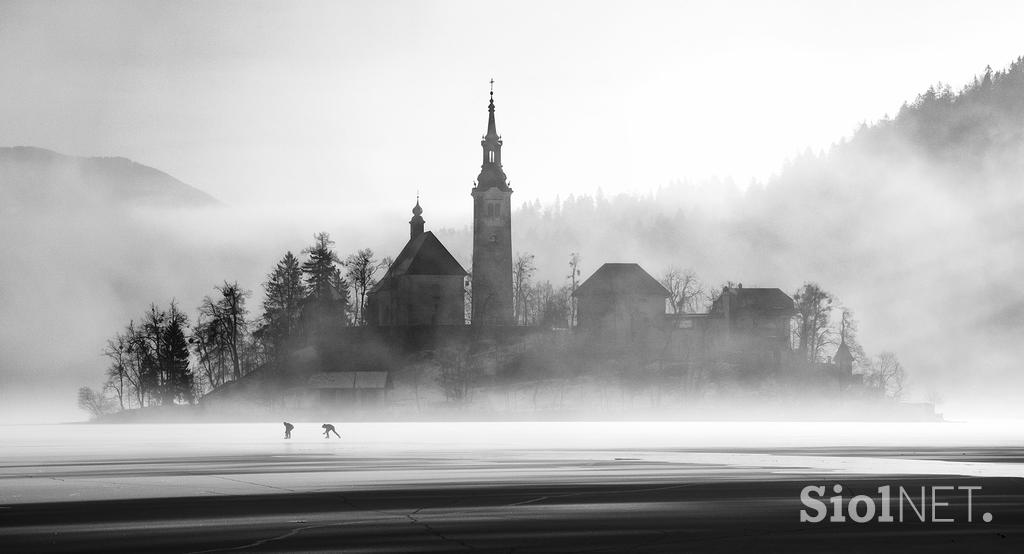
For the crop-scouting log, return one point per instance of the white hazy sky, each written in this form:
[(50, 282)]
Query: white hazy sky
[(355, 106)]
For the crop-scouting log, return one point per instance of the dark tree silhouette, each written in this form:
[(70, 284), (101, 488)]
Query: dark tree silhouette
[(574, 283), (523, 268), (223, 329), (179, 384), (361, 269), (93, 402), (282, 305), (814, 308), (326, 300), (686, 293)]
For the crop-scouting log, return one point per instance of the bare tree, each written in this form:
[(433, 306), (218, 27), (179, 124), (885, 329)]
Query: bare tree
[(119, 375), (887, 375), (361, 269), (574, 283), (547, 305), (93, 402), (814, 309), (211, 355), (138, 362), (686, 293), (132, 373), (227, 329), (522, 272)]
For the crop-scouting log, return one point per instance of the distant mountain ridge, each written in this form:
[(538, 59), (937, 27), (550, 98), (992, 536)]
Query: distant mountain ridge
[(37, 178)]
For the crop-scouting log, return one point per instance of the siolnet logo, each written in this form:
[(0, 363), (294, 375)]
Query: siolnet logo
[(929, 504)]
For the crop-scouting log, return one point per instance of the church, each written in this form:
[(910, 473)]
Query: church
[(425, 285)]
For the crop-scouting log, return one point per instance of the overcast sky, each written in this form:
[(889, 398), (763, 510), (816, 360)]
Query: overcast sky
[(359, 105)]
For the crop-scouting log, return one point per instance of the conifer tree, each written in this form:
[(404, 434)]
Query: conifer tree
[(326, 292), (179, 383), (282, 305)]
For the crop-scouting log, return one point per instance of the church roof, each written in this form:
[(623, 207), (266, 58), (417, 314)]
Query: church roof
[(422, 255), (618, 278)]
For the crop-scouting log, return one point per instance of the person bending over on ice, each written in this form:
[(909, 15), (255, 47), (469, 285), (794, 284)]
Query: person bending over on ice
[(288, 430), (328, 429)]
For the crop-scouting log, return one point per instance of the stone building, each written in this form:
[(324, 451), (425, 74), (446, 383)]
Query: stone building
[(620, 301), (425, 285), (492, 234), (751, 326)]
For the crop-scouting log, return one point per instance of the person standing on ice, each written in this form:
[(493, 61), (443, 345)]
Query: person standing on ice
[(328, 429), (288, 430)]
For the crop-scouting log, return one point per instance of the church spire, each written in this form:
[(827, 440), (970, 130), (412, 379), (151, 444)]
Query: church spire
[(491, 174), (416, 223), (492, 130)]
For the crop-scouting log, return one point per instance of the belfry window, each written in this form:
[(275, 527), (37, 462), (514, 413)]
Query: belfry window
[(490, 156)]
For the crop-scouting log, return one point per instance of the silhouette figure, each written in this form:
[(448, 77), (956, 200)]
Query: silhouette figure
[(328, 429), (288, 430)]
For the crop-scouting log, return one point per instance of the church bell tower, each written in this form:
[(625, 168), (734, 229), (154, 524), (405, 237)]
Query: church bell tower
[(492, 234)]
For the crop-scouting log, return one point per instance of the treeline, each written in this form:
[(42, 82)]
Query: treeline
[(149, 364), (965, 130), (541, 303), (166, 358)]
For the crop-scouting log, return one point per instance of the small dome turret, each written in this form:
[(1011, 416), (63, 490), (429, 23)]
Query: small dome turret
[(416, 223)]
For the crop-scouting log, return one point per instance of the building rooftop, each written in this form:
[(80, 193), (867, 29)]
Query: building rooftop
[(762, 300), (619, 278), (422, 255)]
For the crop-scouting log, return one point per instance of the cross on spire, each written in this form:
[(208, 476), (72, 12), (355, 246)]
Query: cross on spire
[(492, 132)]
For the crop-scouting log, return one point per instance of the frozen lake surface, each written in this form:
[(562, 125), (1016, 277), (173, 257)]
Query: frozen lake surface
[(84, 461), (534, 486), (54, 441)]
